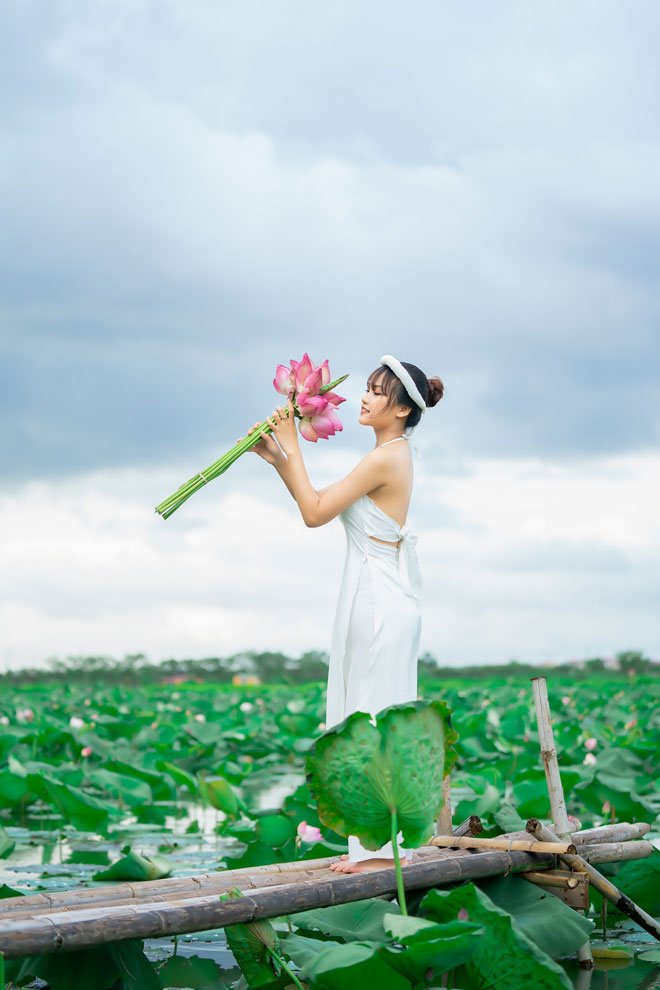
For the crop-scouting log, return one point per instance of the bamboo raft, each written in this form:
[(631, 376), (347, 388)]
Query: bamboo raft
[(65, 921), (77, 919)]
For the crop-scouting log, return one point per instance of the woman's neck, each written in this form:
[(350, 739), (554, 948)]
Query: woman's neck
[(384, 436)]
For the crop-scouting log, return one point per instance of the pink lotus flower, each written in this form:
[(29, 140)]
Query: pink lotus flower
[(4, 720), (284, 380), (75, 722), (631, 724), (302, 383), (590, 743), (589, 759), (25, 715), (309, 833), (566, 700), (86, 751), (320, 427)]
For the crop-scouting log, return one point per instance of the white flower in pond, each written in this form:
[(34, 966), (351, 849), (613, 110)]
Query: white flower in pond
[(75, 722), (246, 706), (87, 702), (309, 833), (590, 743), (566, 700), (199, 717), (25, 715), (86, 751), (4, 720), (589, 759), (322, 726)]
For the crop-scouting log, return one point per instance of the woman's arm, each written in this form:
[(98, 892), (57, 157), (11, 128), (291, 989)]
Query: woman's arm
[(318, 508), (272, 453)]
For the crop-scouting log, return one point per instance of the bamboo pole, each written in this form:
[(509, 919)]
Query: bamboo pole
[(618, 832), (499, 842), (601, 883), (251, 876), (471, 826), (552, 878), (57, 931), (443, 823), (615, 852), (553, 780)]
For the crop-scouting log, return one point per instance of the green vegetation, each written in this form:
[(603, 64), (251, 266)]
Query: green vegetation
[(119, 780)]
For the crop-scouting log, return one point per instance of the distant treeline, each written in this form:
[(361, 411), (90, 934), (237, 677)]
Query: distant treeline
[(272, 668)]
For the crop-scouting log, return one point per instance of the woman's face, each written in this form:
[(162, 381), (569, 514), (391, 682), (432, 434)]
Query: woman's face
[(373, 407)]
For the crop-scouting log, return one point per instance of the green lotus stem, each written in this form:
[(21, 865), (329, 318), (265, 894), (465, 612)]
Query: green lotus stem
[(400, 892), (188, 488), (285, 967)]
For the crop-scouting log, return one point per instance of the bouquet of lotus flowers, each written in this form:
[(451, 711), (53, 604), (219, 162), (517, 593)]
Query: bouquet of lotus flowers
[(315, 405)]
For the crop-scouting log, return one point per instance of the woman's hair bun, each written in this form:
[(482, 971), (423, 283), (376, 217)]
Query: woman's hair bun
[(436, 391)]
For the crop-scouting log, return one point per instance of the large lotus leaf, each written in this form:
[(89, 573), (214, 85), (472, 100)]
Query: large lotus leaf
[(80, 809), (360, 772), (429, 946), (639, 880), (133, 866), (353, 922), (354, 964), (615, 791), (303, 951), (275, 830), (505, 957), (554, 926)]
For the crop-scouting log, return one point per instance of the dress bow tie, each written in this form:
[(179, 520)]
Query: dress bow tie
[(408, 564)]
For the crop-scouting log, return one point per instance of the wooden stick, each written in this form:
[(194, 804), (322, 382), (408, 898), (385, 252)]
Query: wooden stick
[(66, 931), (601, 883), (471, 826), (500, 842), (553, 780)]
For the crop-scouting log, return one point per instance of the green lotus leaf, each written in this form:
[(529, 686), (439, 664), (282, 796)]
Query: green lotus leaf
[(554, 926), (504, 957), (133, 866), (429, 946), (7, 844), (347, 966), (219, 794), (354, 922), (275, 830), (361, 773)]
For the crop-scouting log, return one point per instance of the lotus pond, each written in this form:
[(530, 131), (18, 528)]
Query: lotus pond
[(104, 783)]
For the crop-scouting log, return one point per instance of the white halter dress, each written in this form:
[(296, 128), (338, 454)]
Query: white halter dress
[(377, 629)]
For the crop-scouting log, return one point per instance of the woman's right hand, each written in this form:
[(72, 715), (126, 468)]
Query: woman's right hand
[(268, 448)]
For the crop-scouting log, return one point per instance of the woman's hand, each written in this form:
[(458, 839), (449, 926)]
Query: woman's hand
[(266, 448), (284, 428)]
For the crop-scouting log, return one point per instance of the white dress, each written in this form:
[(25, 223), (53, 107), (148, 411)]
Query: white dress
[(377, 629)]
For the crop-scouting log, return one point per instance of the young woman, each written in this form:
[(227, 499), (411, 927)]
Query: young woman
[(375, 641)]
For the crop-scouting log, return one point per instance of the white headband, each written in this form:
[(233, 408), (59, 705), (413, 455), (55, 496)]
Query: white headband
[(405, 379)]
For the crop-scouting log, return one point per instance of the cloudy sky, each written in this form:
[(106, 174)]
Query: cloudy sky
[(192, 191)]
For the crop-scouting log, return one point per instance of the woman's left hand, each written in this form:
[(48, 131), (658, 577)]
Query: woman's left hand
[(284, 427)]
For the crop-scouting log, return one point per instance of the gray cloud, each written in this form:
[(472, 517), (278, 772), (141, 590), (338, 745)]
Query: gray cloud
[(194, 192)]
